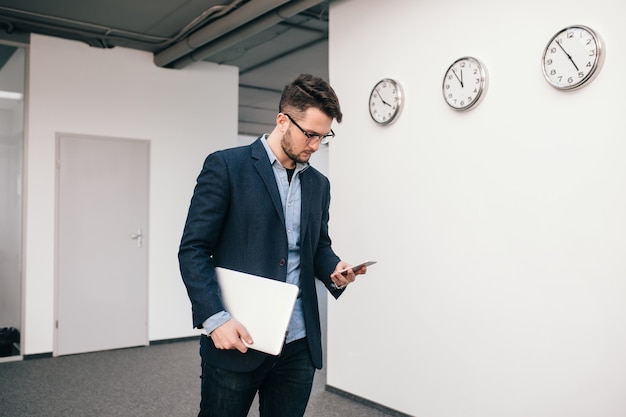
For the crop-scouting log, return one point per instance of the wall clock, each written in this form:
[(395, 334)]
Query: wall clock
[(386, 101), (572, 58), (464, 83)]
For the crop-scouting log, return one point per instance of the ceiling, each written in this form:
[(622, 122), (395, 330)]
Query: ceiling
[(270, 41)]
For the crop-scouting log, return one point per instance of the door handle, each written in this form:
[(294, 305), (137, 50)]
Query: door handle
[(138, 236)]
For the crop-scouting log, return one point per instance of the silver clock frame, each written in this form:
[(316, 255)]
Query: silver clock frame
[(597, 64), (400, 105), (482, 87)]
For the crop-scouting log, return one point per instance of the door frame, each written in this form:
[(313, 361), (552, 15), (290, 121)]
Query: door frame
[(58, 137), (20, 42)]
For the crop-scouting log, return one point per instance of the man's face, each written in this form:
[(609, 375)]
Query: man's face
[(296, 145)]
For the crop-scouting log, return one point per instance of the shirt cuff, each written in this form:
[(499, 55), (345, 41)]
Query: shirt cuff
[(215, 321)]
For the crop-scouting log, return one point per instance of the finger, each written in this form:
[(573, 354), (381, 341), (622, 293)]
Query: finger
[(228, 343), (217, 340), (245, 336), (231, 335), (350, 276), (242, 336), (362, 270), (241, 347), (337, 277), (342, 280)]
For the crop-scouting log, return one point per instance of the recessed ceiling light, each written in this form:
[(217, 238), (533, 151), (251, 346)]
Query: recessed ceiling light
[(11, 95)]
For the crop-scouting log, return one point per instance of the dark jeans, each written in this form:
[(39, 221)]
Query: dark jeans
[(284, 384)]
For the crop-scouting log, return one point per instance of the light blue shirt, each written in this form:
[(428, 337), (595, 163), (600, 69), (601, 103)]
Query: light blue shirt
[(291, 198)]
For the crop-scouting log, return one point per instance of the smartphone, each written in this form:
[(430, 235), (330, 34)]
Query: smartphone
[(357, 267)]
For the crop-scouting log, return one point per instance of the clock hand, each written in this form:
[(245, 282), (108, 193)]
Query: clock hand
[(568, 55), (457, 77), (382, 99)]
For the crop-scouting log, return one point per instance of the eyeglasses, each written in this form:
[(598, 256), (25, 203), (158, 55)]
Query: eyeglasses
[(313, 137)]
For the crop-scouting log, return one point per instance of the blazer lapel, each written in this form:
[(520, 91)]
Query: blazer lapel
[(306, 189), (266, 172)]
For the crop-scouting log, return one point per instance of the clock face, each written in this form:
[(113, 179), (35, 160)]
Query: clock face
[(464, 83), (572, 58), (385, 101)]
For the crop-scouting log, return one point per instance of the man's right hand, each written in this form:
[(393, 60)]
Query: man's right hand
[(231, 335)]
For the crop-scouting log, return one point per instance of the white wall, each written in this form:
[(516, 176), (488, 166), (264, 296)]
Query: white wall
[(74, 88), (500, 232)]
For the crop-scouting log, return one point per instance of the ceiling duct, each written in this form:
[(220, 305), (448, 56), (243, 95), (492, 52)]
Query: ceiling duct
[(246, 21)]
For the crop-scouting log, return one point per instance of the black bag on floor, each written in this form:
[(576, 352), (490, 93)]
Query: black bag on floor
[(8, 336)]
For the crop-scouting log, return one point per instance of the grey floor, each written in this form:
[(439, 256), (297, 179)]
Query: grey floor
[(157, 380)]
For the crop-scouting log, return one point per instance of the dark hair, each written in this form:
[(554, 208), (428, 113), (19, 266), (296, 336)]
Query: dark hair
[(310, 91)]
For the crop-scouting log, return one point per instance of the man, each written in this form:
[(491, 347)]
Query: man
[(262, 209)]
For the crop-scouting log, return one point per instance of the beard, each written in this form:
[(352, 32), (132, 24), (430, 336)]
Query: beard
[(287, 144)]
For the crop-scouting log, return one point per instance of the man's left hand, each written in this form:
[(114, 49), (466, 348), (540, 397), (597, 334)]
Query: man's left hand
[(344, 275)]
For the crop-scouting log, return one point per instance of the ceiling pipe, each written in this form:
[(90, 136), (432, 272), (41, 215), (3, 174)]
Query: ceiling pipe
[(244, 14), (80, 28), (284, 54), (250, 29)]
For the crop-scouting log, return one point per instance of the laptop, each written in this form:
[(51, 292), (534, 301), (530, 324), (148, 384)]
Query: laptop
[(262, 305)]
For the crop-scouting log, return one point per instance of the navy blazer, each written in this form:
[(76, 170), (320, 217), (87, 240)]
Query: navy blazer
[(236, 221)]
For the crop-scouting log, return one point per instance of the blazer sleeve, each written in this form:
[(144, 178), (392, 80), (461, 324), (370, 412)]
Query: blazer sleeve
[(208, 207), (325, 259)]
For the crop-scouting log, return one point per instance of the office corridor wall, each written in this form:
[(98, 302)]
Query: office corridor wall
[(118, 92), (499, 232)]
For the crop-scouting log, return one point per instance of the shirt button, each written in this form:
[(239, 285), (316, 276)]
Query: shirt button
[(282, 262)]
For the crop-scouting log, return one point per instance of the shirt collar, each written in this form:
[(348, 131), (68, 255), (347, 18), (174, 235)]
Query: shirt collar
[(270, 154)]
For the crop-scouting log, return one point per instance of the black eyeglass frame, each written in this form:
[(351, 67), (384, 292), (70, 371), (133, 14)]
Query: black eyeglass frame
[(324, 139)]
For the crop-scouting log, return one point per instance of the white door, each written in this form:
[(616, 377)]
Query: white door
[(102, 243)]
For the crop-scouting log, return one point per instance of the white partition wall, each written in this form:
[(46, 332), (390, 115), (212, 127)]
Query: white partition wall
[(77, 89), (500, 232)]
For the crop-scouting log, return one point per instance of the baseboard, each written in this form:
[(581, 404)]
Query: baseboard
[(371, 404), (38, 356), (151, 343), (175, 340)]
